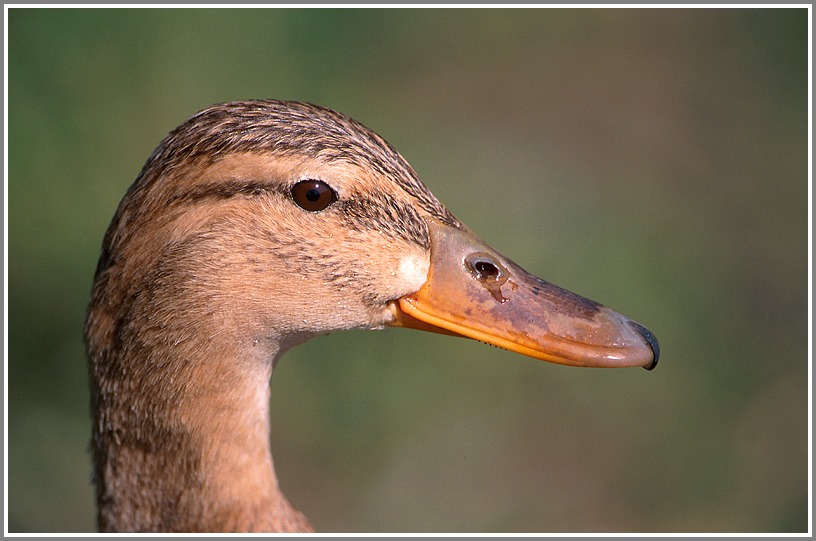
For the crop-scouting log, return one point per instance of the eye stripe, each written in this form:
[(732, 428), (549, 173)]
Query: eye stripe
[(226, 190), (386, 214)]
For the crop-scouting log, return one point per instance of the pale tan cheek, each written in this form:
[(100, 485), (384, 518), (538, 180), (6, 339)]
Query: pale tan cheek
[(413, 271), (389, 268)]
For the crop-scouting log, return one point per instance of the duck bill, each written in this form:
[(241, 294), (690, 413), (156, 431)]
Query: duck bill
[(475, 292)]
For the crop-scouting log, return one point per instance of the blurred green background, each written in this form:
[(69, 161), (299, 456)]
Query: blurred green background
[(653, 160)]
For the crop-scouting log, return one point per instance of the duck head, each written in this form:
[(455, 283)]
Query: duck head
[(253, 227), (286, 220)]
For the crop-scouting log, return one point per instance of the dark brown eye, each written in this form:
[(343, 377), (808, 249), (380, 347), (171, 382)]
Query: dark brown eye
[(313, 195)]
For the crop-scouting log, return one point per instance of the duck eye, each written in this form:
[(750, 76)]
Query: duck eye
[(313, 195)]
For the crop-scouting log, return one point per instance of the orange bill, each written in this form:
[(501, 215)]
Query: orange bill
[(475, 292)]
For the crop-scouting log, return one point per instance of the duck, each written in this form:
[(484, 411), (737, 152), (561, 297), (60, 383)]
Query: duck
[(253, 227)]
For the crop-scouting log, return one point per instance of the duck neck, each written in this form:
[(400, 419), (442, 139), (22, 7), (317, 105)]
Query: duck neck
[(183, 445)]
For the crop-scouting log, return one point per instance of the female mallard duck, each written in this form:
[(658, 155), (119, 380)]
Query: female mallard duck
[(253, 227)]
